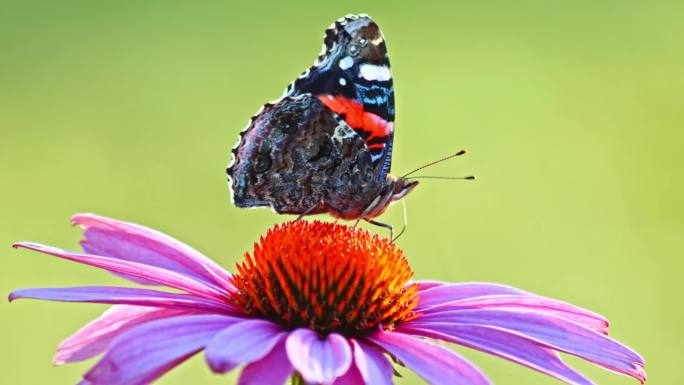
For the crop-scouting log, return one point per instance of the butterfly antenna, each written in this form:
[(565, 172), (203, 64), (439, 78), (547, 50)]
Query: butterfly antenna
[(462, 152), (469, 177)]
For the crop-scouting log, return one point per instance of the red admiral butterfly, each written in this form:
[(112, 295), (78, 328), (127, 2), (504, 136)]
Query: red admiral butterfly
[(326, 145)]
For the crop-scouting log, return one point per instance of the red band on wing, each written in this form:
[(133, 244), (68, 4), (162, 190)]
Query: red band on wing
[(357, 118)]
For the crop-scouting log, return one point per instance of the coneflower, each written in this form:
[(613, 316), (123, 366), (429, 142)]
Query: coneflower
[(314, 302)]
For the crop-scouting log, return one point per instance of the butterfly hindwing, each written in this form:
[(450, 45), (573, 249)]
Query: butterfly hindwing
[(297, 156), (352, 78)]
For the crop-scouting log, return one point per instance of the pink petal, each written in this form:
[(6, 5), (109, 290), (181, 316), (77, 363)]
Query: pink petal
[(438, 295), (111, 238), (352, 377), (152, 273), (527, 303), (550, 331), (372, 365), (318, 360), (424, 284), (272, 369), (435, 364), (503, 344), (124, 296), (242, 343), (142, 354), (95, 337)]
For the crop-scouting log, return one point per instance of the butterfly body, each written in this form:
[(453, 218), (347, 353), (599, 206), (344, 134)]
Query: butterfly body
[(326, 146)]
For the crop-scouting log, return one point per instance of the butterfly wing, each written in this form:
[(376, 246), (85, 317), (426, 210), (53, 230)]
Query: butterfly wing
[(299, 157), (352, 78)]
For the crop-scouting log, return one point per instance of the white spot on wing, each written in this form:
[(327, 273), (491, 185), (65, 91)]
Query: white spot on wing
[(346, 62), (377, 40), (375, 72), (343, 82)]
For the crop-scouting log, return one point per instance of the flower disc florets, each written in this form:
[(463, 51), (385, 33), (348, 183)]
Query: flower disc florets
[(326, 277)]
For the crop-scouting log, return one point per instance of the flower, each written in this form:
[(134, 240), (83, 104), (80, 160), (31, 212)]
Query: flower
[(318, 302)]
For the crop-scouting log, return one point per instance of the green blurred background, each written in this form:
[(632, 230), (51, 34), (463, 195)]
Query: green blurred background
[(572, 113)]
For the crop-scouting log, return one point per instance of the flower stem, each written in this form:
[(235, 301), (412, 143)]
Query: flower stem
[(297, 379)]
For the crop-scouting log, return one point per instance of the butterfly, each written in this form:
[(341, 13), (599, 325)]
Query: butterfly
[(326, 145)]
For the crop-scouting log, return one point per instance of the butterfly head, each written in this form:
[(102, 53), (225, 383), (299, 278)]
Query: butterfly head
[(393, 190), (402, 187)]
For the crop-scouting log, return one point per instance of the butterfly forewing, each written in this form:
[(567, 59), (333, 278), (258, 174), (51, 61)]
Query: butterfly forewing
[(352, 77)]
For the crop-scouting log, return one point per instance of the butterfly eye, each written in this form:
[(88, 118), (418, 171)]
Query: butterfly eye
[(353, 49)]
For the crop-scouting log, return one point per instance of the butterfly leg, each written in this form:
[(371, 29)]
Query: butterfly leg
[(385, 225), (403, 228), (305, 213)]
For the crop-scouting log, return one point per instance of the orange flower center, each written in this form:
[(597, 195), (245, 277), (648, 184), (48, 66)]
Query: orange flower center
[(326, 277)]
